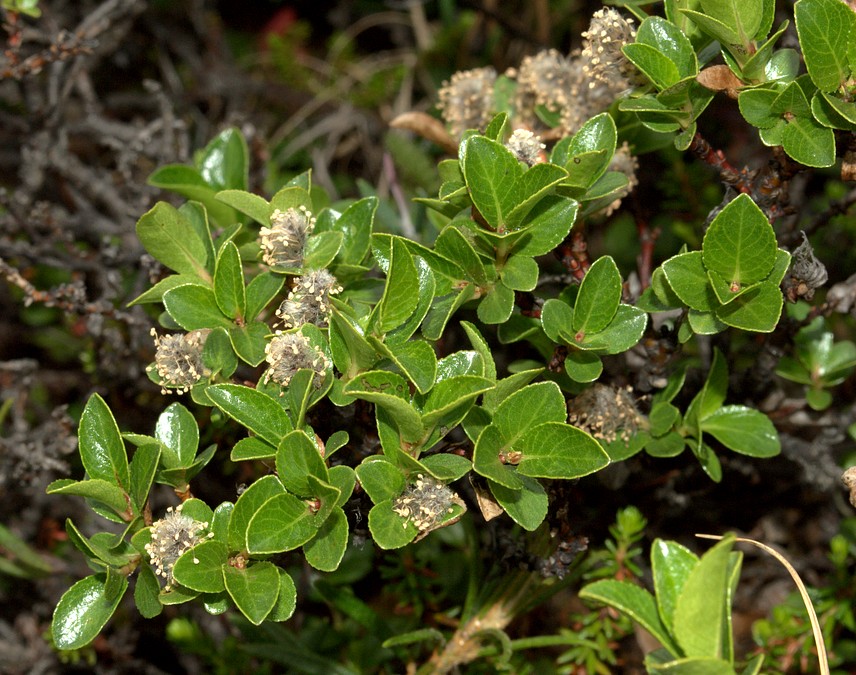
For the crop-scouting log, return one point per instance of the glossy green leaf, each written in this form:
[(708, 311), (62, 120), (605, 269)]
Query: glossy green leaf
[(351, 351), (714, 27), (527, 506), (381, 479), (391, 392), (229, 291), (321, 249), (454, 245), (700, 609), (559, 450), (327, 548), (671, 564), (491, 172), (389, 530), (83, 611), (687, 277), (487, 461), (624, 331), (170, 238), (635, 602), (704, 323), (286, 600), (220, 522), (254, 589), (662, 418), (193, 307), (756, 310), (740, 244), (497, 305), (598, 133), (670, 445), (693, 666), (520, 273), (448, 394), (101, 447), (536, 183), (447, 467), (106, 492), (826, 29), (178, 432), (257, 411), (548, 223), (417, 361), (146, 590), (743, 430), (809, 142), (598, 297), (655, 65), (199, 569), (427, 292), (143, 466), (250, 501), (224, 162), (282, 523), (355, 224), (401, 293), (297, 458), (671, 42), (252, 448), (252, 205), (533, 405), (756, 106), (582, 366)]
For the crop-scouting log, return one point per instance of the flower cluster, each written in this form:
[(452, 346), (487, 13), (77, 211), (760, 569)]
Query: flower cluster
[(603, 61), (309, 300), (546, 79), (624, 162), (426, 503), (526, 146), (173, 535), (287, 353), (283, 243), (178, 359), (607, 413), (466, 101)]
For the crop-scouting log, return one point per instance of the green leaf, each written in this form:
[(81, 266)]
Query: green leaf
[(449, 394), (389, 530), (559, 450), (670, 445), (756, 106), (217, 353), (671, 564), (520, 273), (548, 223), (491, 172), (355, 224), (624, 331), (224, 162), (251, 448), (254, 589), (700, 609), (718, 30), (417, 361), (297, 458), (106, 492), (380, 478), (254, 409), (351, 351), (635, 602), (526, 506), (533, 405), (229, 288), (826, 29), (687, 276), (282, 523), (446, 467), (655, 65), (401, 292), (199, 568), (756, 310), (486, 460), (142, 468), (193, 307), (582, 366), (740, 244), (662, 418), (250, 501), (597, 135), (254, 206), (286, 600), (536, 183), (693, 666), (427, 292), (497, 305), (389, 391), (808, 142), (743, 430), (453, 244), (327, 548), (170, 238), (671, 42), (321, 249), (598, 297), (101, 447), (83, 611), (705, 323), (260, 291), (713, 393), (146, 592), (178, 433)]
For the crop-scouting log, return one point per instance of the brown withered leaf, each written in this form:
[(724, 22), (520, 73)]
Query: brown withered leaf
[(848, 166), (428, 127), (720, 78)]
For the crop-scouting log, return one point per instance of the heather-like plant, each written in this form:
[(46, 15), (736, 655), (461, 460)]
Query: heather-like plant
[(360, 362)]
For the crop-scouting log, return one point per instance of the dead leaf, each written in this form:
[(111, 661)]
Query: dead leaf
[(720, 78), (430, 128)]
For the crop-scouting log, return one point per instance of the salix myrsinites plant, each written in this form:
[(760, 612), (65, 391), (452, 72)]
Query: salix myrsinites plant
[(353, 361)]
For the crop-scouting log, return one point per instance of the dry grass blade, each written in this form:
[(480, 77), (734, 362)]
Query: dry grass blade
[(822, 660)]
